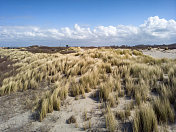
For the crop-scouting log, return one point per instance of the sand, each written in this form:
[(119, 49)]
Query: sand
[(160, 53), (16, 118)]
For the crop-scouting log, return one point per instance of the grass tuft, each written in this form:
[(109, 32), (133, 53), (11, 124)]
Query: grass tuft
[(110, 120), (145, 120), (163, 110)]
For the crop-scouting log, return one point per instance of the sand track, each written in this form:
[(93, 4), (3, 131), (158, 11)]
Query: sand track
[(171, 54)]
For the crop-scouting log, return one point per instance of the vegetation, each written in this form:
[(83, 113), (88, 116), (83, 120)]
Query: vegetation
[(163, 111), (145, 120), (114, 73), (72, 119), (110, 120)]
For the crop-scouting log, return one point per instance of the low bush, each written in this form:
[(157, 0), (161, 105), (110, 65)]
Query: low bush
[(72, 119)]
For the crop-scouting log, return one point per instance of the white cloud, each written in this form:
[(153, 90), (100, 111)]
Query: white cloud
[(160, 28), (153, 31)]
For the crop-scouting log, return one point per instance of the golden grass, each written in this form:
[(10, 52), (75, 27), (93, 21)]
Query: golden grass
[(110, 120), (137, 53), (164, 111), (145, 120), (113, 72), (123, 115)]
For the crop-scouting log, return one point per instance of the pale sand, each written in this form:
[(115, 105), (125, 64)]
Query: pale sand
[(159, 53), (21, 119)]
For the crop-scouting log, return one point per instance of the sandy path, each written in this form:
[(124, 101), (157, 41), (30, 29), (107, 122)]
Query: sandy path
[(15, 117), (171, 54), (77, 108)]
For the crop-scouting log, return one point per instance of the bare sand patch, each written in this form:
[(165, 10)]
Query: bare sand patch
[(160, 53)]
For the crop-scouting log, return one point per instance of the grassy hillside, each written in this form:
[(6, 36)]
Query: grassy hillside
[(110, 74)]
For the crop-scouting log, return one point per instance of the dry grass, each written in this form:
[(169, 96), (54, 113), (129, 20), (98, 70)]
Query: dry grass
[(164, 111), (114, 73), (52, 100), (145, 120), (110, 120), (136, 52)]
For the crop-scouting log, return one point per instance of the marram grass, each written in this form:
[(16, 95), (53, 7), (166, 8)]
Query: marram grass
[(113, 73)]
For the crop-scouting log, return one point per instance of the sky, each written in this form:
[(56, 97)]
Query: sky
[(87, 22)]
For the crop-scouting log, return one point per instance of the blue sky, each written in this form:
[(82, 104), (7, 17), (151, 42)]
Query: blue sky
[(58, 14)]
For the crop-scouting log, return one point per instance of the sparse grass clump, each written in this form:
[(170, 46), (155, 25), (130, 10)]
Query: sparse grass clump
[(124, 114), (121, 115), (112, 101), (85, 115), (52, 100), (130, 87), (163, 110), (106, 93), (137, 53), (75, 90), (145, 120), (48, 104), (107, 67), (110, 120)]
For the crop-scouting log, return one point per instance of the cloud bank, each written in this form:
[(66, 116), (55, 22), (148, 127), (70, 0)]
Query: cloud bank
[(153, 31)]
